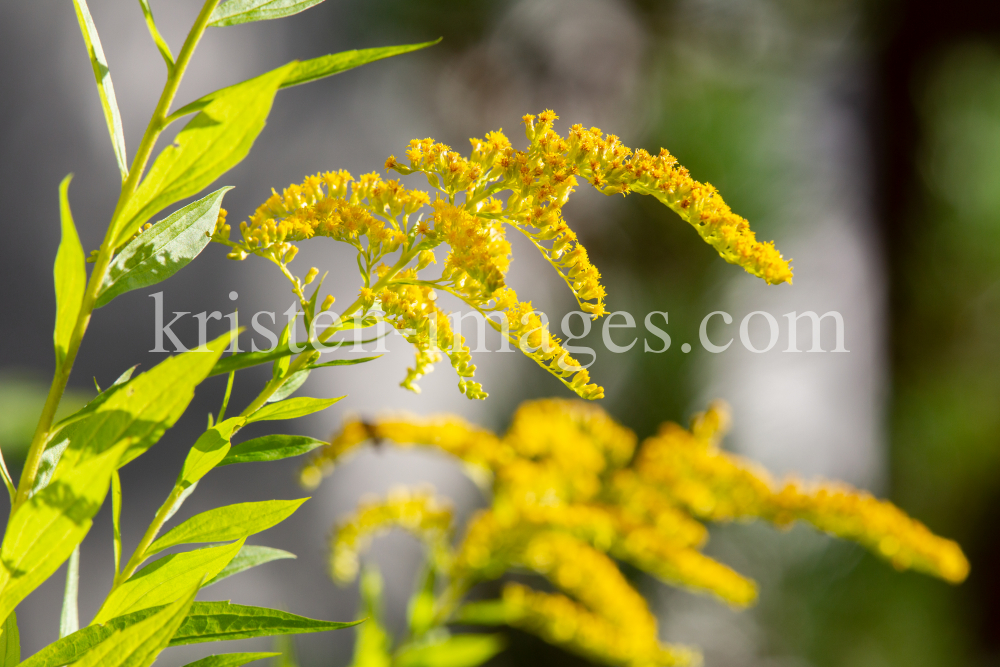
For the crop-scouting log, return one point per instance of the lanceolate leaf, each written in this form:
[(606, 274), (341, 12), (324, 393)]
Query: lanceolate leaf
[(116, 519), (163, 249), (248, 557), (210, 448), (292, 408), (290, 386), (205, 622), (104, 87), (69, 620), (211, 144), (271, 448), (217, 621), (231, 522), (229, 659), (458, 651), (317, 68), (10, 642), (140, 411), (70, 275), (138, 645), (158, 582), (44, 530), (236, 12)]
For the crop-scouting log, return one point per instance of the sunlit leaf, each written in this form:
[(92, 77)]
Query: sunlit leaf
[(70, 274), (292, 408), (249, 556), (317, 68), (10, 642), (271, 448), (211, 144), (236, 12), (158, 582), (206, 453), (229, 659), (138, 645), (230, 522), (45, 529), (456, 651), (217, 621), (105, 89), (163, 249), (69, 619), (290, 386)]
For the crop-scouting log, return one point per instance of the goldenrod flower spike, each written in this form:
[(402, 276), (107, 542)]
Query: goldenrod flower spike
[(418, 512)]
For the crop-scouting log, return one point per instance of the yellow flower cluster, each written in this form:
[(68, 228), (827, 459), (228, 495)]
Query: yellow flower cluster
[(475, 198), (573, 494), (418, 512)]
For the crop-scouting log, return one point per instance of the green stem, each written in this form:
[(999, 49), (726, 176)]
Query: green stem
[(104, 256), (152, 531)]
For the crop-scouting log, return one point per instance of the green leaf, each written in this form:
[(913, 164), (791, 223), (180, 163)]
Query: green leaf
[(10, 642), (211, 144), (180, 501), (70, 274), (290, 386), (317, 68), (271, 448), (210, 448), (116, 519), (158, 582), (141, 410), (47, 465), (230, 522), (154, 32), (345, 362), (205, 622), (163, 249), (69, 619), (229, 659), (105, 89), (457, 651), (43, 531), (292, 408), (248, 557), (138, 645), (218, 621), (236, 12)]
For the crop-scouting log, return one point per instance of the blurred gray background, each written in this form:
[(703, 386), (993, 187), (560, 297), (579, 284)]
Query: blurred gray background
[(828, 124)]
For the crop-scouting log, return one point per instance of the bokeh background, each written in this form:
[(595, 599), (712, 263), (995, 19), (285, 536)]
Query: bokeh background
[(864, 137)]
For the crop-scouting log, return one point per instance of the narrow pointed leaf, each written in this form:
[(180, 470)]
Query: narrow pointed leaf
[(44, 530), (154, 32), (271, 448), (180, 501), (70, 274), (47, 464), (141, 410), (10, 642), (236, 12), (210, 448), (219, 621), (468, 650), (163, 249), (69, 619), (231, 522), (116, 519), (249, 556), (211, 144), (158, 582), (138, 645), (105, 89), (229, 659), (291, 385), (345, 362), (317, 68), (292, 408)]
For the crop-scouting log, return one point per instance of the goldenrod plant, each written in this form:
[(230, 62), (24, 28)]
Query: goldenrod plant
[(571, 495)]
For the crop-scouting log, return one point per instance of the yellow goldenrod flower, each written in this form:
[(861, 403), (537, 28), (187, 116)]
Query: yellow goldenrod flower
[(418, 512)]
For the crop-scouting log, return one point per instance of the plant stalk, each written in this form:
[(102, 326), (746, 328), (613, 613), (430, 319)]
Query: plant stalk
[(105, 254)]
